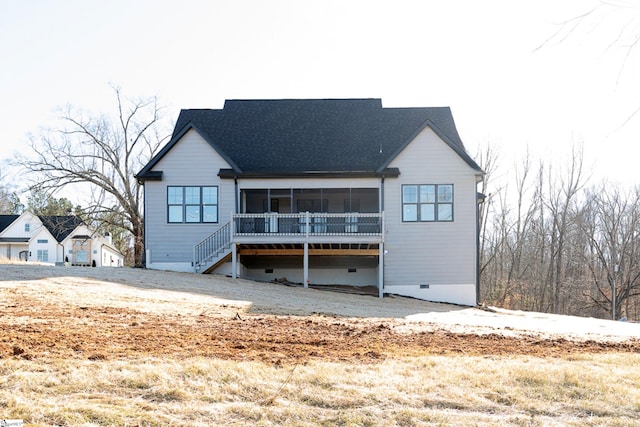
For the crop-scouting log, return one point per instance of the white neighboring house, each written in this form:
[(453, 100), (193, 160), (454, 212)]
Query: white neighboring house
[(324, 191), (55, 240)]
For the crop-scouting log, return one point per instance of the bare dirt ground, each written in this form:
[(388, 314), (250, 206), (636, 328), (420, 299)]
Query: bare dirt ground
[(102, 313)]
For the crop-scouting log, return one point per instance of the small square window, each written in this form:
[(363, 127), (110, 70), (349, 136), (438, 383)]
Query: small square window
[(427, 193), (175, 214), (410, 194), (445, 193), (192, 195), (410, 213), (445, 212), (427, 212), (193, 213), (210, 195), (209, 213), (174, 195)]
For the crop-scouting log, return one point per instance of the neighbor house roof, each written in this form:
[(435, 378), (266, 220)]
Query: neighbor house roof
[(310, 136), (7, 220), (60, 226)]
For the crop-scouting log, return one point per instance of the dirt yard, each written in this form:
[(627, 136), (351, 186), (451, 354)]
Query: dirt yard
[(101, 313)]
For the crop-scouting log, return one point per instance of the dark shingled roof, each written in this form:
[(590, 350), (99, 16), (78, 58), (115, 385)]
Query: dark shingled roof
[(7, 220), (288, 137), (14, 239), (60, 226)]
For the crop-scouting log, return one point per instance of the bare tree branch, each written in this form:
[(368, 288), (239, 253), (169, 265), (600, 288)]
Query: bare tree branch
[(104, 153)]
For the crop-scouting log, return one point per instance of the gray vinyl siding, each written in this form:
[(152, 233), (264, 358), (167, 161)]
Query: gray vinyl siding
[(191, 162), (433, 253)]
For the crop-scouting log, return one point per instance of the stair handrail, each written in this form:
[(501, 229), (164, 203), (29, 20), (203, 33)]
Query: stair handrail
[(209, 247)]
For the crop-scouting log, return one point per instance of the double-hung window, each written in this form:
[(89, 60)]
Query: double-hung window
[(192, 204), (43, 255), (427, 202)]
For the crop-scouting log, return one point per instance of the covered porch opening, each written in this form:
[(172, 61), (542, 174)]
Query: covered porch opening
[(14, 248), (313, 200)]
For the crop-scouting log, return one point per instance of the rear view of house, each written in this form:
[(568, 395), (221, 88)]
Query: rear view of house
[(318, 191)]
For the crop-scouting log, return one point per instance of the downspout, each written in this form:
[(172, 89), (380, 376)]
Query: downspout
[(234, 246), (477, 250), (479, 200), (60, 244), (237, 195), (146, 259), (382, 194), (381, 247)]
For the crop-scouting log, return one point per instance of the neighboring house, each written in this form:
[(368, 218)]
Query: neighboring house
[(327, 191), (55, 240)]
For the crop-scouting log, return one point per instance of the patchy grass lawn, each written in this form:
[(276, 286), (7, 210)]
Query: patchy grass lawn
[(589, 390), (98, 347)]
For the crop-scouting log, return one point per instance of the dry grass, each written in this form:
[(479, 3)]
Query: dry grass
[(61, 308), (591, 390)]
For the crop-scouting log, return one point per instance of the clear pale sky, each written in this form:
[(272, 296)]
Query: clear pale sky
[(479, 58)]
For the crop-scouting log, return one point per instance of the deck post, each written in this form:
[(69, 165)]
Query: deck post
[(195, 259), (234, 261), (306, 264), (381, 271)]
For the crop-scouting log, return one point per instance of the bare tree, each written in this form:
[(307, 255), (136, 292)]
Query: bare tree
[(612, 229), (552, 246), (509, 247), (9, 200), (103, 152), (560, 202), (488, 158), (5, 195), (623, 19)]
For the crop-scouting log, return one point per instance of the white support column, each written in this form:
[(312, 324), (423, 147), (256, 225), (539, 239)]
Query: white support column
[(306, 264), (381, 271), (238, 262), (234, 260)]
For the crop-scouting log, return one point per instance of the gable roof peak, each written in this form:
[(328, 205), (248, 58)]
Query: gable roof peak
[(60, 226)]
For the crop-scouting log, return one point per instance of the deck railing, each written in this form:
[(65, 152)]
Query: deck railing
[(308, 224)]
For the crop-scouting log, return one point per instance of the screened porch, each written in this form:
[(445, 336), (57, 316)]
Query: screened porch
[(309, 212)]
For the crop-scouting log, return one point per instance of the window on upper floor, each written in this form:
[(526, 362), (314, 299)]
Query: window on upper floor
[(43, 241), (27, 227), (192, 204), (427, 202)]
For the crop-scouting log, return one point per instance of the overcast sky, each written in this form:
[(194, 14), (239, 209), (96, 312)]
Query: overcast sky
[(479, 58)]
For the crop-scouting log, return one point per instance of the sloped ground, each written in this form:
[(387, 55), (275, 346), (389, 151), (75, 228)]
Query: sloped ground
[(94, 313)]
